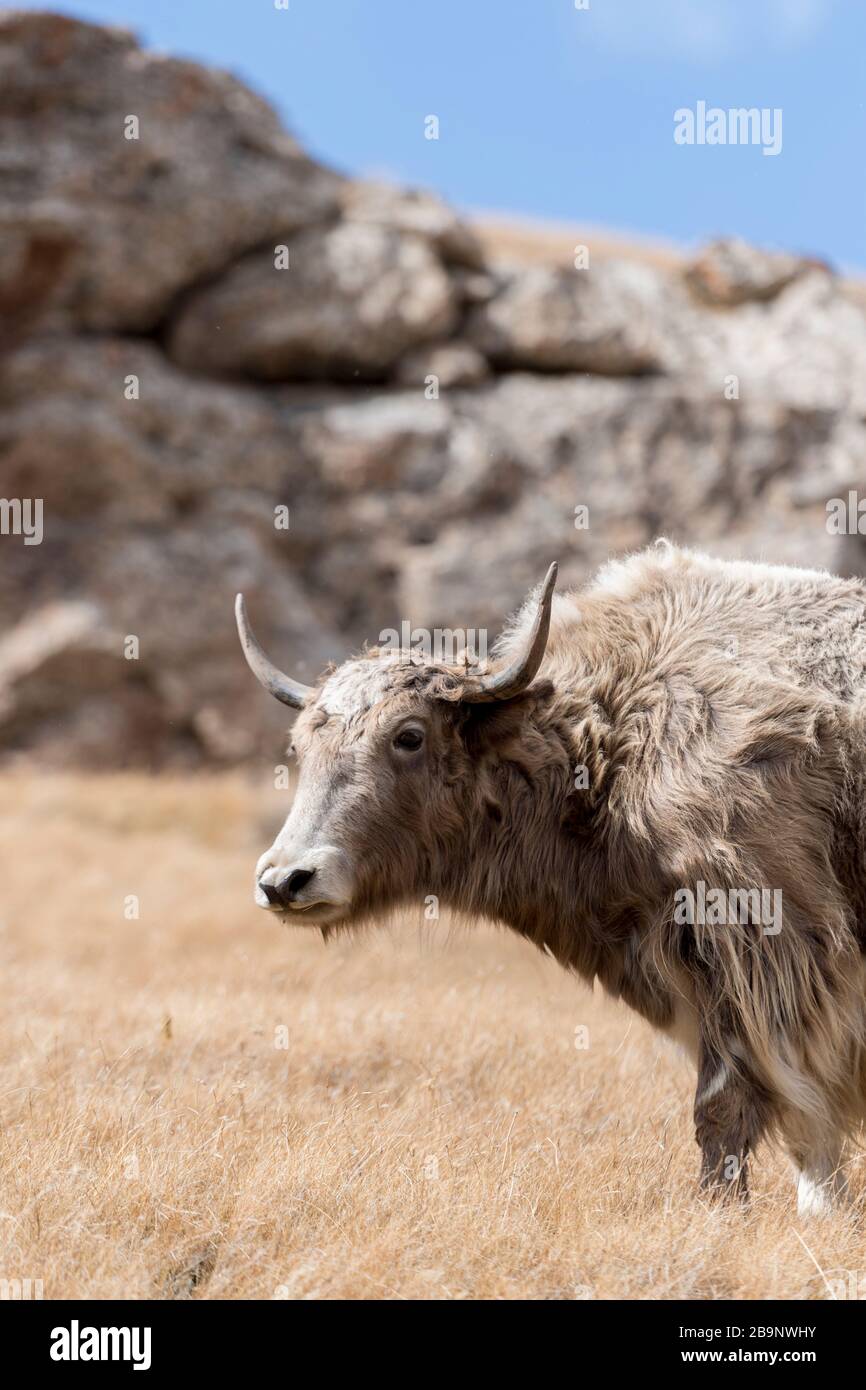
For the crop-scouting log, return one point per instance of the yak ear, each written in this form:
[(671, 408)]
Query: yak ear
[(486, 726)]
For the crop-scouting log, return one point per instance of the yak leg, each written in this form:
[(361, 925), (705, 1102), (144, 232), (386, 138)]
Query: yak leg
[(821, 1183), (728, 1123)]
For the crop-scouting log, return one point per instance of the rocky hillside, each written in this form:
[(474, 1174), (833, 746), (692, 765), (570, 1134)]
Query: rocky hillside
[(226, 367)]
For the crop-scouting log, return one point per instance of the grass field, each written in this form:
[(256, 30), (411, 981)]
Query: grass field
[(199, 1103)]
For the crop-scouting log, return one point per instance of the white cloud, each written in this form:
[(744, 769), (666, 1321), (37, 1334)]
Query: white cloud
[(702, 31), (797, 20)]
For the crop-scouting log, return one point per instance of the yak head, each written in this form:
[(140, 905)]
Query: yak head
[(404, 773)]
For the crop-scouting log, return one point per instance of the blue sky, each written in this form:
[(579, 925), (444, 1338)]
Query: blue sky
[(546, 110)]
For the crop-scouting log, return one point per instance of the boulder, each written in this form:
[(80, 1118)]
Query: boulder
[(603, 320), (730, 271), (129, 176), (417, 211), (348, 303), (806, 348)]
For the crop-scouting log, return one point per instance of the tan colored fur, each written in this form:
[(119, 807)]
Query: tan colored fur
[(718, 711)]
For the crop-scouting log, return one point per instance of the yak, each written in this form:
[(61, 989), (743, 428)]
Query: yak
[(658, 780)]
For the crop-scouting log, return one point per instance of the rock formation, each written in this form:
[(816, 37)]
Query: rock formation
[(226, 367)]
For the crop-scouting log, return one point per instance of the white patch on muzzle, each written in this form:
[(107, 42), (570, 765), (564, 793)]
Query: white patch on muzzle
[(330, 884)]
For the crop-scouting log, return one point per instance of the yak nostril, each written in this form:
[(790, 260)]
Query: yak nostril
[(271, 893), (291, 886)]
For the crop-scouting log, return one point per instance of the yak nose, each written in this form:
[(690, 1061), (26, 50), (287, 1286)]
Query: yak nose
[(283, 893), (272, 894), (291, 886)]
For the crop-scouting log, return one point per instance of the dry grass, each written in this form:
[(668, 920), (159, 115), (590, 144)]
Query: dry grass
[(430, 1131), (510, 240)]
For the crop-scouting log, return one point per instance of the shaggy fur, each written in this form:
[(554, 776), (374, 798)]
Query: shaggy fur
[(693, 721)]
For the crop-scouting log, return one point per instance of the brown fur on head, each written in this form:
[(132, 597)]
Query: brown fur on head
[(406, 790)]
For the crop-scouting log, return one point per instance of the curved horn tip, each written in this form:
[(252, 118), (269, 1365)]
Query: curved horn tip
[(277, 683), (522, 669), (241, 619)]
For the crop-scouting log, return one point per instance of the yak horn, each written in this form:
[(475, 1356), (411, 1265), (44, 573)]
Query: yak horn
[(516, 676), (291, 692)]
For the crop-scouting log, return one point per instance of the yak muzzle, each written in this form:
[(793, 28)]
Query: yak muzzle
[(315, 882), (287, 891)]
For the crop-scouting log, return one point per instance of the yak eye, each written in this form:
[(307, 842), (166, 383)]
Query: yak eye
[(409, 740)]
